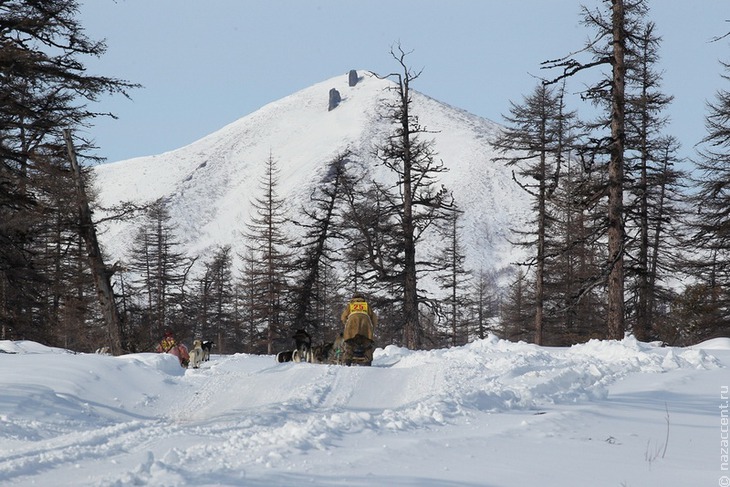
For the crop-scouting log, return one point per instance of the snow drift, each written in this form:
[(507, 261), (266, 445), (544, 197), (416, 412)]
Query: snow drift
[(491, 413)]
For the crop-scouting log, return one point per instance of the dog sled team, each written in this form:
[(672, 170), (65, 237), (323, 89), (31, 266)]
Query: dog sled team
[(192, 358), (353, 346)]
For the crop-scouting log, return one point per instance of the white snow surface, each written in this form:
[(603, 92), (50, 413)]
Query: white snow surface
[(210, 183), (491, 413)]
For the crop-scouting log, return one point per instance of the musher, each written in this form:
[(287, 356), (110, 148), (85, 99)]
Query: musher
[(359, 321)]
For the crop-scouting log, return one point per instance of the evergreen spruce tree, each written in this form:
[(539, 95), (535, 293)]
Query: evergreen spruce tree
[(45, 89), (268, 242), (535, 142), (159, 270), (215, 301), (412, 207), (320, 222), (710, 235), (454, 281)]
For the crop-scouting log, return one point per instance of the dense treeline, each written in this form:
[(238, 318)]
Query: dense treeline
[(622, 239), (616, 215), (46, 290)]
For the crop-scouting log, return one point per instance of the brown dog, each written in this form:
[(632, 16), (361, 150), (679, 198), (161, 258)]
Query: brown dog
[(337, 353)]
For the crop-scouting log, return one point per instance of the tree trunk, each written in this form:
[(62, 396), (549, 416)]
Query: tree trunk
[(98, 269), (410, 291), (540, 264), (615, 180), (658, 230), (643, 325)]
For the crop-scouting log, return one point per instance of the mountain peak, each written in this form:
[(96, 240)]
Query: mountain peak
[(210, 183)]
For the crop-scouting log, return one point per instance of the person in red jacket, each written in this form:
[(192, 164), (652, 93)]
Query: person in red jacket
[(169, 345)]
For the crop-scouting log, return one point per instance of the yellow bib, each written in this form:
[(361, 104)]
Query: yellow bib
[(359, 307)]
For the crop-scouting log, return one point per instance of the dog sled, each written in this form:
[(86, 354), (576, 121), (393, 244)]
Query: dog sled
[(168, 344), (180, 351), (182, 354), (358, 350), (354, 346)]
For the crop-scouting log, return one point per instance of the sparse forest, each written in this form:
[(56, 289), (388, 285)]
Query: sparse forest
[(622, 238)]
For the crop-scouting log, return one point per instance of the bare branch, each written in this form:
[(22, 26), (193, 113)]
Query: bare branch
[(719, 38), (572, 67), (122, 211)]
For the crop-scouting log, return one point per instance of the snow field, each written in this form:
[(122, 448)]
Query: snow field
[(490, 413)]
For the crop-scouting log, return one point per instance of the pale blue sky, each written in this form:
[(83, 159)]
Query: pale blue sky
[(206, 63)]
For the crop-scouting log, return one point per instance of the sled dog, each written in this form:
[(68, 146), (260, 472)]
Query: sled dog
[(320, 353), (207, 348), (285, 356), (196, 354), (337, 353), (303, 349)]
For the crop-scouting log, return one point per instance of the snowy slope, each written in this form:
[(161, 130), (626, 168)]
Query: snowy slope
[(211, 182), (491, 413)]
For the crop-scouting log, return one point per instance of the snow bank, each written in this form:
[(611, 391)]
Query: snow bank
[(141, 419), (714, 344)]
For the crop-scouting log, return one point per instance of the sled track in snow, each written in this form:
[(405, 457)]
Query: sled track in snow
[(241, 413), (70, 448)]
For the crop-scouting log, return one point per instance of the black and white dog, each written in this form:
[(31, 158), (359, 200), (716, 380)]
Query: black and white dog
[(303, 349), (207, 346), (285, 356)]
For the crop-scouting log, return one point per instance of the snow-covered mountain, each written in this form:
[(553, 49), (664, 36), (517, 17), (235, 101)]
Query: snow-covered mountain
[(211, 182)]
